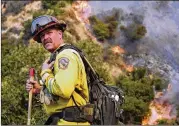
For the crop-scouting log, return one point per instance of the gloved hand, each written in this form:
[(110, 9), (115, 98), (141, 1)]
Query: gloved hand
[(31, 84), (47, 65)]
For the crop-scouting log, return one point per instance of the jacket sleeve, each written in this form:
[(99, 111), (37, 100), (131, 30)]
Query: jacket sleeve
[(64, 81)]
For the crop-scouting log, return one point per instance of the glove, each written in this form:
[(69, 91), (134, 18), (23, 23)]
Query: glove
[(47, 65)]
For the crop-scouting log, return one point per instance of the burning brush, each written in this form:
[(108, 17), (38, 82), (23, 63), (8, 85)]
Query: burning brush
[(161, 109)]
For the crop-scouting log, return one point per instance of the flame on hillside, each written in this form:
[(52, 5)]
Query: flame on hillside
[(129, 68), (160, 109), (82, 12), (118, 50)]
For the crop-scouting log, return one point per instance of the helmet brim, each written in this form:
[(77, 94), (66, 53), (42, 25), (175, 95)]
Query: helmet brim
[(61, 27)]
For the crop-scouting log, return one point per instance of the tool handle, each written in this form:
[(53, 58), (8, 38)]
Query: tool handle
[(31, 76), (32, 72)]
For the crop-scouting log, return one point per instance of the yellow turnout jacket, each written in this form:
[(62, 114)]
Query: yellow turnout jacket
[(68, 74)]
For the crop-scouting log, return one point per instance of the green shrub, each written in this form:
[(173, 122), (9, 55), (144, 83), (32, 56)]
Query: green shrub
[(101, 31), (104, 30), (139, 73), (93, 19), (159, 83), (112, 26), (135, 31), (138, 91), (17, 59)]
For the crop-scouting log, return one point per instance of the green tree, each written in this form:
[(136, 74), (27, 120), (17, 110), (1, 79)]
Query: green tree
[(159, 83), (134, 110), (134, 31), (138, 90), (112, 25), (139, 73), (104, 30), (101, 31)]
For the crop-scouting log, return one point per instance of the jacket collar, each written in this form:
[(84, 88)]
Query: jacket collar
[(55, 53), (59, 47)]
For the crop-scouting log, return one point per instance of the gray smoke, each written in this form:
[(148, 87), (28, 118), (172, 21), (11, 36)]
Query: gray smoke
[(159, 49), (162, 38)]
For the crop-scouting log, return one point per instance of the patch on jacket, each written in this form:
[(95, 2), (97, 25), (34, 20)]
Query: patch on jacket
[(63, 63)]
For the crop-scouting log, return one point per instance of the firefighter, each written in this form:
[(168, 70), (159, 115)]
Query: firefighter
[(60, 78)]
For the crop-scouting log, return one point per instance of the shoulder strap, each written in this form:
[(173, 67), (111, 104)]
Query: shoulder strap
[(88, 68), (91, 73)]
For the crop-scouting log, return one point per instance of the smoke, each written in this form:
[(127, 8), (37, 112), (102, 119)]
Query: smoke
[(173, 95), (161, 27), (162, 37), (161, 40), (164, 31), (159, 18)]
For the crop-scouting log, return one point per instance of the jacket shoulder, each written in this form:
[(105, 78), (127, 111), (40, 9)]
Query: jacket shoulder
[(70, 53)]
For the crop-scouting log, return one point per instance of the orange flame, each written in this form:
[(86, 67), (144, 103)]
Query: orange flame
[(82, 10), (160, 109), (129, 68), (118, 50)]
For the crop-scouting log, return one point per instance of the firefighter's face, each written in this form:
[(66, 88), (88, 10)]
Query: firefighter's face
[(51, 39)]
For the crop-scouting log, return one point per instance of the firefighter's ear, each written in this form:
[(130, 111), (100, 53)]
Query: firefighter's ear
[(60, 33)]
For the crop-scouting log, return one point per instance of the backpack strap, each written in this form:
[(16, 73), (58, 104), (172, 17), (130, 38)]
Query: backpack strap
[(91, 73), (92, 76)]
